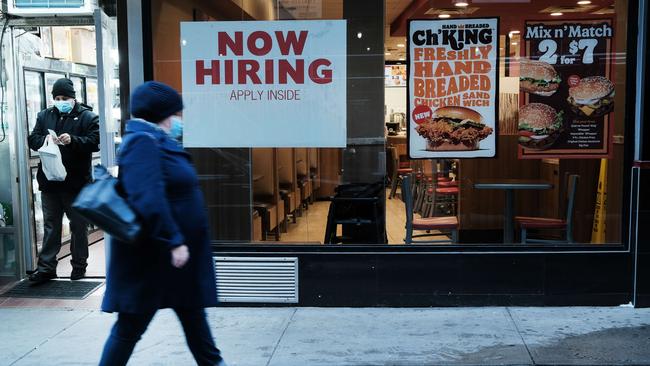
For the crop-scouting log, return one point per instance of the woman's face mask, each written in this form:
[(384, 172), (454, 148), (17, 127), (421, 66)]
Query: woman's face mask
[(176, 130), (64, 106)]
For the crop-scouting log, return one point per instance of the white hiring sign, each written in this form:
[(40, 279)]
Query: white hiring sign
[(264, 84)]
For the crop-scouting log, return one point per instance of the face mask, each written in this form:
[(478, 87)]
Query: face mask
[(64, 106), (176, 130)]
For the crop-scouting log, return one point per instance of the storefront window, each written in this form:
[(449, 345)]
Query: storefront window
[(507, 120)]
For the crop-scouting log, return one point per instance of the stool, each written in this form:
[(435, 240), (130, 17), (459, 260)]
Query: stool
[(315, 183), (447, 184), (304, 184), (287, 196), (397, 180), (257, 226), (268, 213)]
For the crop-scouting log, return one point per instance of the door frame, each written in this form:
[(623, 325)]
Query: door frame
[(25, 235)]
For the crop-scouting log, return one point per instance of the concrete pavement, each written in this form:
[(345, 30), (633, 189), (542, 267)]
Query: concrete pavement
[(346, 336)]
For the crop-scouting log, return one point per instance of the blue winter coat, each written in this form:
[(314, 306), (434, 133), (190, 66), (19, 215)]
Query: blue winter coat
[(161, 185)]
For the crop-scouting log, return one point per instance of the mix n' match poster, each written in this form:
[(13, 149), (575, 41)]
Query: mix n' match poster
[(452, 88), (566, 87)]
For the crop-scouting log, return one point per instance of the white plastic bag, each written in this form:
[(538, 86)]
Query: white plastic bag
[(51, 161)]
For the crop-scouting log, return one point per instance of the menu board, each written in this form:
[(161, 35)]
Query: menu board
[(566, 87), (452, 88), (265, 83), (395, 75)]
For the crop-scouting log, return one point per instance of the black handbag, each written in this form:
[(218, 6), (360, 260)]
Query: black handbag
[(102, 204)]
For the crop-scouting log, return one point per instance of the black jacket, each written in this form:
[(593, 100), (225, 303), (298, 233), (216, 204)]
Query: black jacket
[(83, 127)]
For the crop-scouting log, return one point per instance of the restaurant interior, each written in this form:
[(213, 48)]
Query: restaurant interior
[(301, 195)]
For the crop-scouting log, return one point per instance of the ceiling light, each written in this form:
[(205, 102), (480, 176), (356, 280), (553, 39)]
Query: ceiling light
[(584, 2), (556, 14), (400, 45), (368, 49), (461, 3), (359, 35), (444, 16)]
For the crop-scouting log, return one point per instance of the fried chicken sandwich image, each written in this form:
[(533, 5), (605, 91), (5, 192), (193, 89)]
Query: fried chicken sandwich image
[(454, 128)]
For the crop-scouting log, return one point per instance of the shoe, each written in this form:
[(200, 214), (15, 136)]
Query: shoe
[(77, 274), (38, 277)]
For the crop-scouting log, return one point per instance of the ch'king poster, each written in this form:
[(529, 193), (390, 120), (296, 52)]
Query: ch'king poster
[(452, 88)]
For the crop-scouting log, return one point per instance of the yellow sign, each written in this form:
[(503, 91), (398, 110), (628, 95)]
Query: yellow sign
[(599, 228)]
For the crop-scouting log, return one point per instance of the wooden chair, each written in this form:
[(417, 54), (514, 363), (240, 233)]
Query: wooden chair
[(541, 223), (440, 224), (269, 214), (398, 172)]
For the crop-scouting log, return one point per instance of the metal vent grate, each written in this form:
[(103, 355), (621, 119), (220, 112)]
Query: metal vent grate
[(49, 4), (257, 279)]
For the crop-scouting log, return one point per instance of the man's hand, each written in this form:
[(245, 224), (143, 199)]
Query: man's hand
[(65, 139), (180, 256)]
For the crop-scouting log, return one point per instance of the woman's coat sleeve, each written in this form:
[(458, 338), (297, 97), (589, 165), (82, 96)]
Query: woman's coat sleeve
[(143, 181)]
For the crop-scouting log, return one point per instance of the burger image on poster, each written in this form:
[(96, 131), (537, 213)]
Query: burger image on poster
[(538, 77), (592, 97), (540, 125), (453, 128)]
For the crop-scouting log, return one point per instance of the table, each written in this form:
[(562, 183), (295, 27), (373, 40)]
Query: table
[(509, 186)]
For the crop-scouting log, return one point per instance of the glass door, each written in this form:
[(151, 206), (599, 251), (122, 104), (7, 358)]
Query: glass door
[(108, 91), (8, 244)]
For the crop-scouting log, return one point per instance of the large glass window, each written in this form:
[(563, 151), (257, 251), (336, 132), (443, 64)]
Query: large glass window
[(554, 174)]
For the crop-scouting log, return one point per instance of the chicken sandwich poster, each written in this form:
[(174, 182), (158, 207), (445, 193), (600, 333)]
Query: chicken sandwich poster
[(452, 88)]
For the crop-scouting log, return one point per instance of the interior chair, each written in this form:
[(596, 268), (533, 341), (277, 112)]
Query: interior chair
[(304, 184), (315, 182), (268, 211), (419, 191), (398, 172), (446, 199), (257, 226), (432, 226), (541, 223), (287, 198)]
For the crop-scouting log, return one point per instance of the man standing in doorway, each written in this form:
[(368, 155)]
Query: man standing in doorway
[(77, 131)]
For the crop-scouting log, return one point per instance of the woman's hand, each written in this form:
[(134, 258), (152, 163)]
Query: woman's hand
[(180, 256)]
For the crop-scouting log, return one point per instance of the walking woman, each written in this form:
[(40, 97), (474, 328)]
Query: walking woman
[(171, 265)]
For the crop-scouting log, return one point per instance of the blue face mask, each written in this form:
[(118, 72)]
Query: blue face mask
[(64, 106), (176, 131)]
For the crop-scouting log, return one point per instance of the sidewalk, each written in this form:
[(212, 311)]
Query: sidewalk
[(346, 336)]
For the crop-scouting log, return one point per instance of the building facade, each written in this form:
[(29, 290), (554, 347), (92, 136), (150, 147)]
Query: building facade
[(306, 121)]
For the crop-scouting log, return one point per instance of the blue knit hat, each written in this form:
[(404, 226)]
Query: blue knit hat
[(154, 101)]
